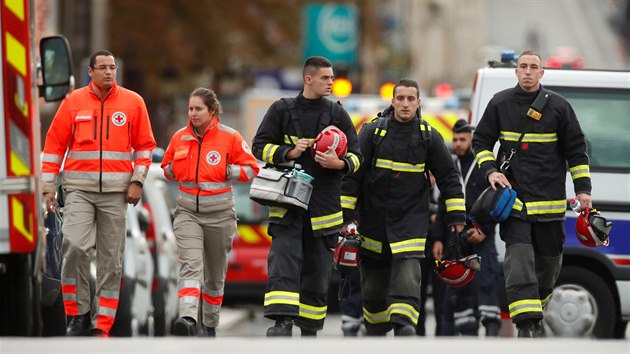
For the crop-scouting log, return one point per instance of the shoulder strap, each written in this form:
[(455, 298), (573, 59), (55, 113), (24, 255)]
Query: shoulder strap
[(334, 109), (535, 110), (290, 114)]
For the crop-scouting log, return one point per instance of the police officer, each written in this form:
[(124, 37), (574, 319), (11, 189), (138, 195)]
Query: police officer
[(534, 233), (390, 196), (300, 258), (461, 314)]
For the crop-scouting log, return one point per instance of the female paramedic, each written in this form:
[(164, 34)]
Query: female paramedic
[(205, 157)]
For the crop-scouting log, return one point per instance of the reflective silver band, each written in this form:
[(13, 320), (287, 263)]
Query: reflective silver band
[(208, 199), (213, 293), (95, 155), (106, 311), (49, 177), (94, 176), (142, 154), (56, 159), (188, 283), (207, 186), (109, 294)]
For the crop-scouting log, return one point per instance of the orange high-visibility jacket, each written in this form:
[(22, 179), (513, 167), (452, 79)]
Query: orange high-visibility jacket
[(109, 141), (206, 167)]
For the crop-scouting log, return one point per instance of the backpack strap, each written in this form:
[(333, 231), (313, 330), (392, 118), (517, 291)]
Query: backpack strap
[(288, 116), (422, 135)]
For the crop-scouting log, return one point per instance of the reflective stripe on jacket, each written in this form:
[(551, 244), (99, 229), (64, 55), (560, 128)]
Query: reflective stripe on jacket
[(205, 167), (108, 141)]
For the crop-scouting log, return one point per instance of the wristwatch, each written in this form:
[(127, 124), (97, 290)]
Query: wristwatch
[(138, 183)]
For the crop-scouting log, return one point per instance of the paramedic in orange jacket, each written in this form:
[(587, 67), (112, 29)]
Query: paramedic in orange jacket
[(104, 132), (205, 157)]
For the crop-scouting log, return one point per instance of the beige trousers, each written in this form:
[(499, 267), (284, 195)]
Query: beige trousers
[(203, 244), (93, 221)]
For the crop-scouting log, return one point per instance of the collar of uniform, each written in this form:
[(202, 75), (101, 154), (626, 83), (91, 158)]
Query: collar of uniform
[(525, 97), (213, 126), (97, 92)]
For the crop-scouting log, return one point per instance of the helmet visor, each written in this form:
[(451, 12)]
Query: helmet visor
[(601, 227), (473, 262)]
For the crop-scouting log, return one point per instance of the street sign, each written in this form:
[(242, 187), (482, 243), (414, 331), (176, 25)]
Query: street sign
[(331, 31)]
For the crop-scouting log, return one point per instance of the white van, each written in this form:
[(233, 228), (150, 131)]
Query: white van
[(592, 295)]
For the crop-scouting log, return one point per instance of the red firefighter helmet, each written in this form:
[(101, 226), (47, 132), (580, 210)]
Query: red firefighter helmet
[(331, 138), (458, 272), (592, 229)]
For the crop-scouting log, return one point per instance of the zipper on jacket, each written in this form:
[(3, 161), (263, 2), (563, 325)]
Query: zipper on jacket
[(100, 172), (107, 135), (95, 122), (199, 140)]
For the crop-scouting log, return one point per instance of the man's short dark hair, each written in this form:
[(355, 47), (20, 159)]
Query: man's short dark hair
[(105, 53), (407, 83), (531, 52), (312, 64)]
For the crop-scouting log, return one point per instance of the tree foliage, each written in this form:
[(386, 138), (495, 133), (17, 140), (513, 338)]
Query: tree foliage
[(174, 40)]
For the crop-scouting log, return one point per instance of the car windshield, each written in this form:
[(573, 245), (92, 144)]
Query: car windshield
[(603, 115)]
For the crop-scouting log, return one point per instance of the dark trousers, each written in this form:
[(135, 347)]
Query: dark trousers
[(533, 258), (299, 266), (391, 292), (353, 305)]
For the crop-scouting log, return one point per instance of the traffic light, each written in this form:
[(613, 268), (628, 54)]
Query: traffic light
[(342, 87), (387, 91)]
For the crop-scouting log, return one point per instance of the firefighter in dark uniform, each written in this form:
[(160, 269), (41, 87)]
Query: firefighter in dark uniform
[(300, 258), (390, 195), (477, 301), (534, 233)]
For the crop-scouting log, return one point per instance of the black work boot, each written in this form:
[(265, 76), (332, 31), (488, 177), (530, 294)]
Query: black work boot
[(539, 330), (185, 326), (404, 330), (209, 331), (308, 333), (492, 328), (79, 325), (282, 328), (525, 329)]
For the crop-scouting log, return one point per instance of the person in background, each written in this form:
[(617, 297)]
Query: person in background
[(205, 157), (352, 308), (106, 132), (300, 258), (534, 233), (389, 197), (428, 275), (477, 301)]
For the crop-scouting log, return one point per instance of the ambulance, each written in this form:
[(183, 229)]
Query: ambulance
[(592, 295), (22, 235)]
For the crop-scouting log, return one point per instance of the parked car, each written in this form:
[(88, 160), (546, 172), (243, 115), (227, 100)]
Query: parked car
[(247, 262), (135, 310), (158, 201)]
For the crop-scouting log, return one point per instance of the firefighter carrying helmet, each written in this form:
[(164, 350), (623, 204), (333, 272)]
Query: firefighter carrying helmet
[(331, 138), (592, 229), (458, 272)]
